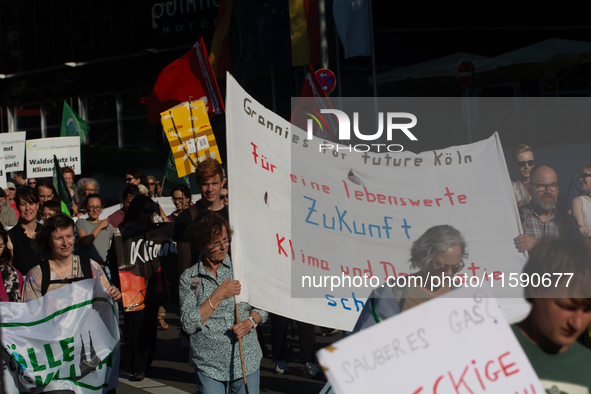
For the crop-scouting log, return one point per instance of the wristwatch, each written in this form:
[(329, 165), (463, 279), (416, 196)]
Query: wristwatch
[(254, 322)]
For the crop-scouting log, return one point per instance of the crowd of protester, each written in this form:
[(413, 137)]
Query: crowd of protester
[(45, 246)]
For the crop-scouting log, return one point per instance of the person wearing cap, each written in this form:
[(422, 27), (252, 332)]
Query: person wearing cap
[(10, 190), (7, 214)]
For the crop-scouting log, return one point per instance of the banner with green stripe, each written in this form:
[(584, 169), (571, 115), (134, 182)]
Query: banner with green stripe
[(66, 340)]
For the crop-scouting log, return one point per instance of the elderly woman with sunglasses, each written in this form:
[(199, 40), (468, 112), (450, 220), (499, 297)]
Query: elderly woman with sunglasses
[(208, 313), (439, 251)]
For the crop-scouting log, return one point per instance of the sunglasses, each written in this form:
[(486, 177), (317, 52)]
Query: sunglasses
[(129, 179), (223, 196), (530, 163), (439, 268), (151, 183)]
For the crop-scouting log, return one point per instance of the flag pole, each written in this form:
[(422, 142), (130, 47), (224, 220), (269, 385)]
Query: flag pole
[(373, 52), (273, 91), (163, 183), (178, 136), (192, 122), (241, 353)]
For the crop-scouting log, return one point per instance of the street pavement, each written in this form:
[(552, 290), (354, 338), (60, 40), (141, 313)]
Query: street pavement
[(172, 374)]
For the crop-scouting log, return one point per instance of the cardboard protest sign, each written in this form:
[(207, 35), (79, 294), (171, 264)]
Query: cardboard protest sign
[(147, 260), (459, 344), (40, 154), (13, 149), (67, 340), (3, 172), (190, 136), (307, 231), (171, 178)]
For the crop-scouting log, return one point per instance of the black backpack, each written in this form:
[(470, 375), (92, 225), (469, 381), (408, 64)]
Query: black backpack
[(45, 273)]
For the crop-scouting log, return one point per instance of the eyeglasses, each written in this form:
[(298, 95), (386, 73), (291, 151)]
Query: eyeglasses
[(542, 186), (219, 245), (95, 208), (223, 196), (174, 199), (530, 163), (584, 175), (444, 267), (129, 179)]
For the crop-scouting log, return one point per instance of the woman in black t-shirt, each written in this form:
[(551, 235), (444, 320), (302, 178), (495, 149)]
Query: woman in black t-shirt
[(25, 254)]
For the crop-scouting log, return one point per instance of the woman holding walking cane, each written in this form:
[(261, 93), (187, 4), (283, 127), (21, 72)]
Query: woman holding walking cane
[(224, 346)]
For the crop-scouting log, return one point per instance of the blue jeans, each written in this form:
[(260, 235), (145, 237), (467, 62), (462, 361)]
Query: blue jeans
[(207, 385)]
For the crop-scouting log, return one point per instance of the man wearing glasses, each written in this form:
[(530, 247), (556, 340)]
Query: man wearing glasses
[(523, 161), (541, 216)]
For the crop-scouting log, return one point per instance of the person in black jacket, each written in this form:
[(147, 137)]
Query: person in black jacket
[(25, 254)]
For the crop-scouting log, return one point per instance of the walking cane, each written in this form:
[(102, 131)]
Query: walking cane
[(241, 354)]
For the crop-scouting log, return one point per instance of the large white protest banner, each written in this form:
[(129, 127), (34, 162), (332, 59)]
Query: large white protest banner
[(40, 155), (66, 340), (304, 227), (465, 345), (13, 150)]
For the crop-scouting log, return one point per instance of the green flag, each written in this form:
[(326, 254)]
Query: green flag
[(172, 179), (60, 183), (72, 124)]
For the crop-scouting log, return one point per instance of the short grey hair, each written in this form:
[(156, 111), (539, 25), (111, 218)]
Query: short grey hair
[(436, 240), (97, 187)]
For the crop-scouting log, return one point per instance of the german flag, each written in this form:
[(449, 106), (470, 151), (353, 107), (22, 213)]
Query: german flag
[(287, 35)]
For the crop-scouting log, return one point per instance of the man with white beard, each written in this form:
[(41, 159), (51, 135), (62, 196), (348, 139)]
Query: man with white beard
[(541, 215)]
